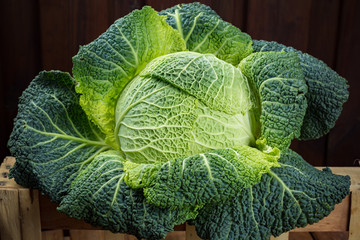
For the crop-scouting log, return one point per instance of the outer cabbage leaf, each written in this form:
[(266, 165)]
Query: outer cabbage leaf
[(160, 117), (279, 81), (205, 32), (327, 91), (294, 195), (99, 196), (193, 181), (52, 138), (107, 64)]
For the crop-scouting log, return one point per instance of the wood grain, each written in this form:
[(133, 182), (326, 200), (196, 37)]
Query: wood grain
[(300, 236), (88, 234), (343, 145), (113, 236), (354, 228), (281, 21), (20, 59), (30, 214), (52, 235), (284, 236), (10, 228)]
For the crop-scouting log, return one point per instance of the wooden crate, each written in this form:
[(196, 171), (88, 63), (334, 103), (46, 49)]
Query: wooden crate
[(27, 215)]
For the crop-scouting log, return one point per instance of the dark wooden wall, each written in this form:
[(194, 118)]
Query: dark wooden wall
[(45, 34)]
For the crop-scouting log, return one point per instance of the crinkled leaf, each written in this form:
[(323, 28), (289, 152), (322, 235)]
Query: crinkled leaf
[(327, 91), (218, 84), (179, 108), (205, 32), (99, 196), (107, 64), (294, 195), (52, 138), (279, 81), (195, 180)]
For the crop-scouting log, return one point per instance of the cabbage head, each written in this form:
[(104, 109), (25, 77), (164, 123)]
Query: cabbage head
[(178, 116)]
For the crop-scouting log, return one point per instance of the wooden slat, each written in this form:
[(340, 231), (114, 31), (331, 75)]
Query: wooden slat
[(330, 236), (343, 145), (176, 235), (232, 11), (283, 21), (76, 234), (67, 24), (30, 214), (284, 236), (118, 9), (129, 237), (87, 234), (10, 228), (52, 235), (113, 236), (300, 236), (354, 227), (20, 59)]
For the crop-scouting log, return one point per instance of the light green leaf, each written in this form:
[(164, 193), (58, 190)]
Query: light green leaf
[(294, 195), (279, 81), (193, 181), (107, 64), (160, 117), (327, 91), (99, 196), (217, 84), (52, 138), (205, 32)]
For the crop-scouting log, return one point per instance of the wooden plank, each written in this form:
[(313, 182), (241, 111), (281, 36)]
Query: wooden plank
[(284, 236), (113, 236), (86, 234), (354, 226), (67, 24), (10, 228), (322, 40), (283, 21), (232, 11), (20, 59), (343, 145), (52, 235), (30, 214), (5, 182), (300, 236), (118, 9), (191, 233), (330, 235), (176, 235), (129, 237)]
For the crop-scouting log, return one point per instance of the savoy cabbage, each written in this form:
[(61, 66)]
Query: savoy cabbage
[(179, 116)]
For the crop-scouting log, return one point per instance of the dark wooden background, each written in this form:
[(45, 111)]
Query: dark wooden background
[(44, 34)]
